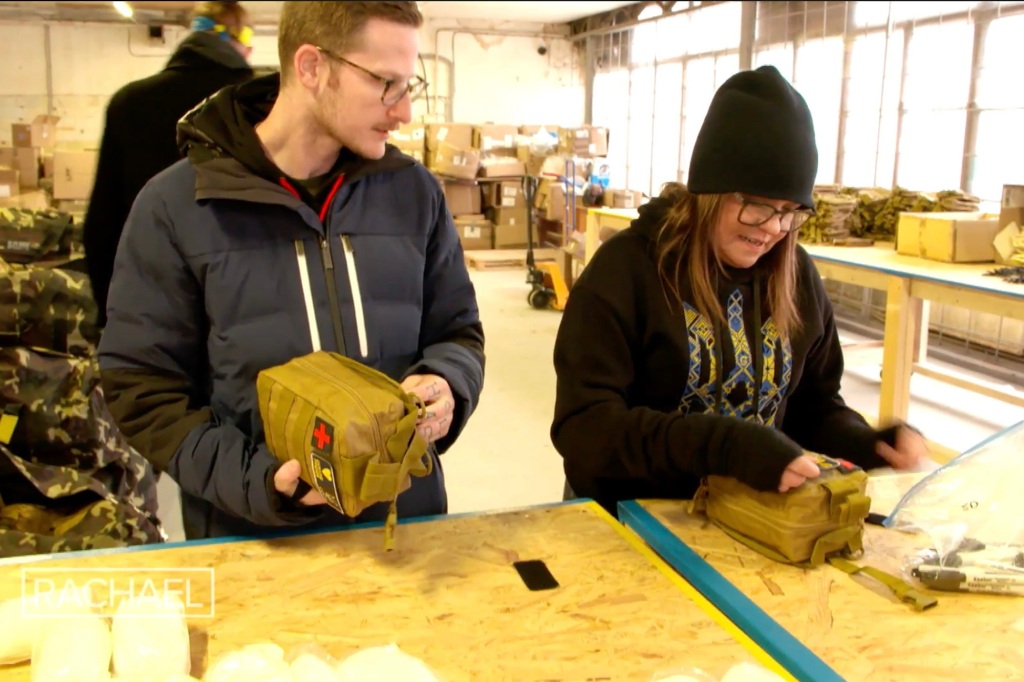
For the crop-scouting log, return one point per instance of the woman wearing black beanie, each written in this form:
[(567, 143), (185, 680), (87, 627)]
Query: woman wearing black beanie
[(700, 340)]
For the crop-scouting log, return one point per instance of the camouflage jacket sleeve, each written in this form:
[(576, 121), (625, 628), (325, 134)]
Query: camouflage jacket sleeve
[(152, 362)]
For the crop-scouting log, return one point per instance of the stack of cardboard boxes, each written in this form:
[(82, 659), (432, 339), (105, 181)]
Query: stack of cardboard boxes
[(34, 161), (29, 159), (482, 169)]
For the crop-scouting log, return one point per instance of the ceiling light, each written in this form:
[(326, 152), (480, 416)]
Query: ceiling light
[(651, 11), (124, 9)]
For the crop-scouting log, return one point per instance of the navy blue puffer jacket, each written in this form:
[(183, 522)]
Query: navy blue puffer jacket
[(224, 270)]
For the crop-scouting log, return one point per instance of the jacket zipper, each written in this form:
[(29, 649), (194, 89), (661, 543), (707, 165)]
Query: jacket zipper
[(357, 296), (332, 294)]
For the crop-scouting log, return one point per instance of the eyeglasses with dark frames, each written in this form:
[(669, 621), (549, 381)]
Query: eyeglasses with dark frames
[(756, 214), (394, 89)]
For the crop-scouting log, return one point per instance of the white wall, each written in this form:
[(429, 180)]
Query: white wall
[(88, 63), (502, 78), (498, 78)]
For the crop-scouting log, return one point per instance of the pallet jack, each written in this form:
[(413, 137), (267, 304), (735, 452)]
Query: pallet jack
[(548, 289)]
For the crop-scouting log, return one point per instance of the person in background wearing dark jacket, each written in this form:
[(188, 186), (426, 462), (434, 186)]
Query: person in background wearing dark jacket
[(139, 133), (700, 340), (291, 227)]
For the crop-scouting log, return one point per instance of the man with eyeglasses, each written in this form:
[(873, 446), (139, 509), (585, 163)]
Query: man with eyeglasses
[(291, 227), (701, 340)]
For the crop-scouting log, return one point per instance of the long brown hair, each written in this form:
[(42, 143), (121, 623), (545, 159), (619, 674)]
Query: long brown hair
[(685, 248)]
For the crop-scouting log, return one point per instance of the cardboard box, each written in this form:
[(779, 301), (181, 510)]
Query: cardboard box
[(1011, 208), (621, 198), (26, 160), (587, 141), (452, 161), (502, 167), (598, 141), (10, 183), (948, 237), (41, 132), (1004, 243), (29, 201), (512, 236), (454, 134), (537, 164), (47, 165), (1013, 196), (475, 232), (555, 207), (411, 138), (499, 140), (508, 216), (510, 227), (73, 174), (504, 194), (462, 197), (550, 199)]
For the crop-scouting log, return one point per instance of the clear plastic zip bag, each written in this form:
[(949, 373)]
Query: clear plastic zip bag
[(972, 512)]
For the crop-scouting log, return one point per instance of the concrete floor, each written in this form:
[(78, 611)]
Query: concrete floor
[(505, 459)]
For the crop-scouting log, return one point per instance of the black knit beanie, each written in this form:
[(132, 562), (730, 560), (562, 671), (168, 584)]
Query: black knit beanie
[(757, 139)]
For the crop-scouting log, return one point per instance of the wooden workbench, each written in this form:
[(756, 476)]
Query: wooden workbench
[(449, 595), (599, 218), (908, 282), (855, 626)]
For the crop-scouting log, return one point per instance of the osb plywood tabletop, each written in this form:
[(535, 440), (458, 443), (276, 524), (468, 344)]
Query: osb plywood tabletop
[(447, 594), (854, 625)]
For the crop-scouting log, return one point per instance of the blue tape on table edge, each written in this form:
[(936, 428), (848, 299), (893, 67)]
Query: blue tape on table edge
[(800, 661)]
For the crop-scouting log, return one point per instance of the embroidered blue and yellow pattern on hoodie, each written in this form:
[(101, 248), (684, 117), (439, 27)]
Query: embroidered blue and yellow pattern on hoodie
[(738, 388)]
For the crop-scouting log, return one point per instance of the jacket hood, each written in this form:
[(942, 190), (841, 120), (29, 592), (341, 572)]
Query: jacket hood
[(223, 125), (651, 216), (219, 135), (199, 50)]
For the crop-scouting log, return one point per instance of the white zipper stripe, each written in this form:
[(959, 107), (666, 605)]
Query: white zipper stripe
[(307, 294), (357, 297)]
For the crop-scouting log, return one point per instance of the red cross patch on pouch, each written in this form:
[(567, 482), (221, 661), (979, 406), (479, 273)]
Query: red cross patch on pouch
[(323, 436)]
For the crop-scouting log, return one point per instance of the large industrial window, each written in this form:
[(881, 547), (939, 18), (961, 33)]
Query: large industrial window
[(924, 96), (917, 95), (652, 86)]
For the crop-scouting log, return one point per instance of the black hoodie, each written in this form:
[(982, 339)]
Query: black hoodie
[(641, 409), (139, 141)]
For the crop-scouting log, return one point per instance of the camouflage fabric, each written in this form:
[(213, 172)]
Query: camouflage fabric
[(47, 308), (27, 529), (74, 236), (50, 393), (28, 235), (107, 498)]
